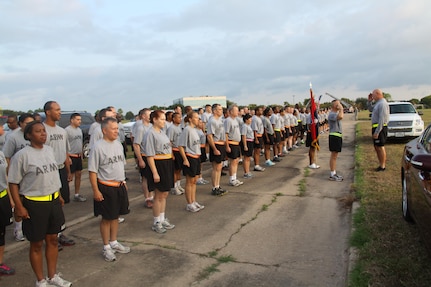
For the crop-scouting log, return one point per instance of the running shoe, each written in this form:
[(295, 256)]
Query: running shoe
[(79, 198), (58, 281), (120, 248), (248, 175), (269, 163), (158, 227), (276, 159), (176, 191), (201, 181), (109, 254), (167, 225), (43, 283), (121, 219), (18, 235), (6, 270), (192, 208), (200, 206), (65, 241), (221, 191), (314, 166), (180, 188), (235, 183), (258, 168)]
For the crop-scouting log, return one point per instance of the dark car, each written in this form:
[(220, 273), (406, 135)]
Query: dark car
[(86, 120), (416, 183)]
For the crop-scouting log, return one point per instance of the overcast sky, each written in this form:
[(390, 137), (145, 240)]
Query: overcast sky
[(88, 54)]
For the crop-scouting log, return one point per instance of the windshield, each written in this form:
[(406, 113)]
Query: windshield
[(402, 109)]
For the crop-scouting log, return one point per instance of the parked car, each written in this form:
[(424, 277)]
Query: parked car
[(128, 131), (86, 120), (416, 183), (404, 120)]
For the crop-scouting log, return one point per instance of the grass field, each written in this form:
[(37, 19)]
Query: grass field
[(391, 252)]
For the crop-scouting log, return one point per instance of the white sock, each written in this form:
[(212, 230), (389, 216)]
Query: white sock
[(333, 173), (18, 225), (76, 194), (112, 243), (231, 178), (156, 219), (106, 247), (234, 176), (162, 216)]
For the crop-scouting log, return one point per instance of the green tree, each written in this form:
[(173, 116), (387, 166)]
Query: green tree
[(129, 116), (230, 103), (426, 101), (388, 97), (120, 111), (414, 101), (361, 103)]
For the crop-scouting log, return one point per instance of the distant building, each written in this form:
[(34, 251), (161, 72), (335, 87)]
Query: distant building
[(201, 101)]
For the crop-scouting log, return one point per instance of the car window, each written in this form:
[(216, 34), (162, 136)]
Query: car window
[(86, 119), (401, 109), (426, 139)]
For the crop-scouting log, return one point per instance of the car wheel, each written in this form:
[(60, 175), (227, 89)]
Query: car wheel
[(86, 149), (405, 202)]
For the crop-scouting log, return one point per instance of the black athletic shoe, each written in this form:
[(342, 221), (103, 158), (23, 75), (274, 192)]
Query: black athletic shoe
[(380, 168)]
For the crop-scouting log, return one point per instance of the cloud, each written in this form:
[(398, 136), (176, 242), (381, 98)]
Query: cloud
[(90, 54)]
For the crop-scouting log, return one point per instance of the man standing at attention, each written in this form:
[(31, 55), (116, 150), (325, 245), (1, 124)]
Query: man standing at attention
[(57, 139), (335, 137), (74, 135), (379, 120)]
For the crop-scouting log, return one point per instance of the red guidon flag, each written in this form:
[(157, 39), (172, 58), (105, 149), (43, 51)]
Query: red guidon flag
[(313, 127)]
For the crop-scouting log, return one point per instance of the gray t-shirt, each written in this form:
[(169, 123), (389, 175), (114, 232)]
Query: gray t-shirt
[(75, 138), (334, 123), (3, 167), (247, 131), (156, 143), (190, 140), (121, 133), (267, 125), (57, 139), (202, 137), (231, 127), (14, 143), (2, 141), (140, 131), (216, 128), (35, 170), (380, 114), (173, 134), (96, 134), (107, 160), (257, 124)]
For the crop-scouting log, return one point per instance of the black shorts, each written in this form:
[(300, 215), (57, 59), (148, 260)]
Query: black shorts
[(285, 134), (165, 169), (115, 202), (260, 144), (178, 162), (269, 139), (294, 131), (335, 143), (235, 151), (203, 157), (194, 169), (76, 164), (383, 136), (249, 151), (46, 217), (5, 211), (277, 137), (144, 171), (218, 158), (64, 190), (308, 141)]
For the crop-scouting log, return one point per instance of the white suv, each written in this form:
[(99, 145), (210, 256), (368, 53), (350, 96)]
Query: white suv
[(404, 120)]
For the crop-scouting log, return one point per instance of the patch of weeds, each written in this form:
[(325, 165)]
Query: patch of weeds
[(264, 207), (302, 187), (278, 194), (226, 259), (212, 254), (169, 247), (204, 274), (306, 172)]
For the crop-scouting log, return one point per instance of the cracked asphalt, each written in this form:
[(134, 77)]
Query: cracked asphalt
[(263, 233)]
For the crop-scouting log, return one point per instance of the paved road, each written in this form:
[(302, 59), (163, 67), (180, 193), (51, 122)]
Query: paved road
[(263, 233)]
